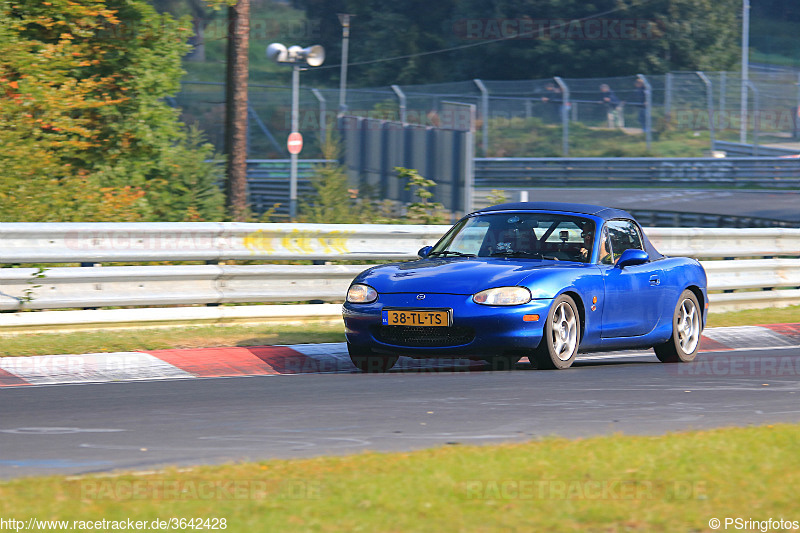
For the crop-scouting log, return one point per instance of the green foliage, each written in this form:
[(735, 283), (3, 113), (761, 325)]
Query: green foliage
[(29, 293), (497, 196), (84, 128), (333, 202), (674, 35), (421, 211), (187, 189)]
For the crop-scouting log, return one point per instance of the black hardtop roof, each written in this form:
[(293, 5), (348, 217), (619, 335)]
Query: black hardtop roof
[(606, 213)]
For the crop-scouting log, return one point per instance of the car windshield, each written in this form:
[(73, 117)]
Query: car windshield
[(521, 235)]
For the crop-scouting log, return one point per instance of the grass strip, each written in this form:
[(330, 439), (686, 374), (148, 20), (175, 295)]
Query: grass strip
[(122, 340), (114, 340), (673, 482)]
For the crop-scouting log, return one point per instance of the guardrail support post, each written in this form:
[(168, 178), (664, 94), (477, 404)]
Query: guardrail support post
[(484, 114)]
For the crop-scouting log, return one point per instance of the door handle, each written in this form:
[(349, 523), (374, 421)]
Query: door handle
[(654, 280)]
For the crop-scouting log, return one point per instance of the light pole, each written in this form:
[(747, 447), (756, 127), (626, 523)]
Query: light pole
[(344, 19), (314, 56)]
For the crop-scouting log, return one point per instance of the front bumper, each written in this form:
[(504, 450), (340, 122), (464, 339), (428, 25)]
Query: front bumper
[(477, 331)]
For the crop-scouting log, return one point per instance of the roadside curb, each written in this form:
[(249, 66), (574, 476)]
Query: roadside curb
[(295, 359)]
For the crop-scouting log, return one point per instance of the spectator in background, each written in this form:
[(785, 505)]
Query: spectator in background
[(614, 107), (641, 100), (554, 97)]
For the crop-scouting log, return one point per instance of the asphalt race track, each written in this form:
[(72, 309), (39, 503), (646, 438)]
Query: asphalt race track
[(67, 429)]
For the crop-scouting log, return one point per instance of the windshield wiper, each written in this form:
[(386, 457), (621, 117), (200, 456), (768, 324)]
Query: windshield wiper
[(445, 253), (516, 253)]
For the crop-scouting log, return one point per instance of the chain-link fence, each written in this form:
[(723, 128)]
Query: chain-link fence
[(532, 118)]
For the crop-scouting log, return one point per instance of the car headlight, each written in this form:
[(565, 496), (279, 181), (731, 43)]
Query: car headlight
[(361, 294), (503, 296)]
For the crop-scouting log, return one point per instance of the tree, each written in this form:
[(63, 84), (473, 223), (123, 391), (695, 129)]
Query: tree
[(333, 202), (236, 108), (198, 10), (549, 38), (83, 120)]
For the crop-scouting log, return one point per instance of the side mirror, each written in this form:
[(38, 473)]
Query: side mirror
[(632, 257), (424, 251)]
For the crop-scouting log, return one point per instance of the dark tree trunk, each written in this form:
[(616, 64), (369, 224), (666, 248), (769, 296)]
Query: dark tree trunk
[(236, 109)]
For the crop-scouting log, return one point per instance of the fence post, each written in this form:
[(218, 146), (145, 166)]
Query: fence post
[(469, 162), (648, 105), (401, 98), (668, 97), (710, 104), (564, 116), (796, 115), (756, 108), (723, 81), (322, 111), (484, 114)]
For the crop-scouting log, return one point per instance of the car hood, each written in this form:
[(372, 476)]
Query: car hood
[(456, 275)]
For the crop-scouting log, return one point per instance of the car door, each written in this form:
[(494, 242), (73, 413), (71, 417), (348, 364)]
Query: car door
[(633, 296)]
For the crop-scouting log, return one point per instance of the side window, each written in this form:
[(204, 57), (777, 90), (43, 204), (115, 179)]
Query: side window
[(623, 235), (604, 255)]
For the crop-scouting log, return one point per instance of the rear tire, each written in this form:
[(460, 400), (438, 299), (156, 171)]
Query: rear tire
[(562, 336), (370, 362), (686, 329)]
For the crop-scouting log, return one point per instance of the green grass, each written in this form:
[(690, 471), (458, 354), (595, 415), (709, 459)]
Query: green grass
[(674, 482), (755, 317), (518, 137), (121, 340), (112, 340)]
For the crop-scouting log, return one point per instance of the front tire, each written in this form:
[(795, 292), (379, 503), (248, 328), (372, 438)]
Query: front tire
[(370, 362), (686, 329), (562, 335)]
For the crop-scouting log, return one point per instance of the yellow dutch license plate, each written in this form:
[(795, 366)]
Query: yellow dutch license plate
[(416, 317)]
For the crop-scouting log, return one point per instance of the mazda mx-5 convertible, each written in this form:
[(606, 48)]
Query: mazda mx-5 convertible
[(542, 280)]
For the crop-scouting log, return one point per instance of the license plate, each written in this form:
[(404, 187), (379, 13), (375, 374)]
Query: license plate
[(416, 317)]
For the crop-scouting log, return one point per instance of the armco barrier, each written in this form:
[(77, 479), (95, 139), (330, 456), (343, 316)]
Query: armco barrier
[(499, 172), (767, 272), (208, 241)]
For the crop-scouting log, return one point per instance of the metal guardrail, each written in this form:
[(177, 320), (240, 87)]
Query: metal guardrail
[(109, 242), (641, 171), (117, 286), (747, 150), (760, 281), (25, 242), (61, 288), (681, 219)]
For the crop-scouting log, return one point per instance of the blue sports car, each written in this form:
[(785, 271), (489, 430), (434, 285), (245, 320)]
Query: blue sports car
[(542, 280)]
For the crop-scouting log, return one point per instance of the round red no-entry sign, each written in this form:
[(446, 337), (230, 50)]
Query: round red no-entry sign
[(294, 143)]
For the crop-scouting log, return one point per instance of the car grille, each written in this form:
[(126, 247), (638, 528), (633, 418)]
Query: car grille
[(416, 336)]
